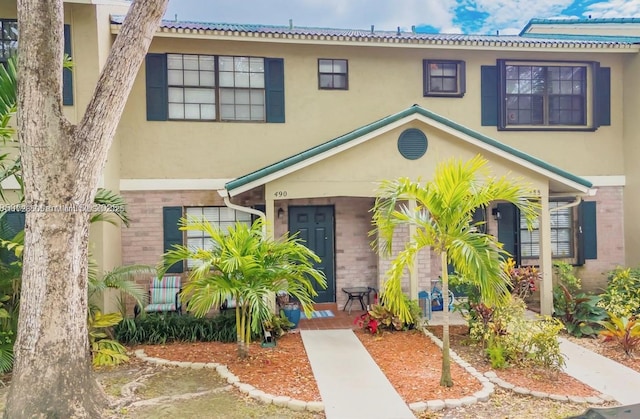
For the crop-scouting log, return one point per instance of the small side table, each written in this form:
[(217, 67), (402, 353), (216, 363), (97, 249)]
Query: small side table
[(356, 293)]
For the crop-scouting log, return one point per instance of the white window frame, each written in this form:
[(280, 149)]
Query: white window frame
[(562, 234)]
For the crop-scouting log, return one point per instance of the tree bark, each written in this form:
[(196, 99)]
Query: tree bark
[(62, 164)]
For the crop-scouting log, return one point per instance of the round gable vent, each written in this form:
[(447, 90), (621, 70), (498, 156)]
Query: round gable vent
[(412, 144)]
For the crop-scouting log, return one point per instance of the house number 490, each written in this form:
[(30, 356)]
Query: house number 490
[(280, 194)]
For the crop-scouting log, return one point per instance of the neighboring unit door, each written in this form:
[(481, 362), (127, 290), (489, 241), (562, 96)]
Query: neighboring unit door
[(316, 227)]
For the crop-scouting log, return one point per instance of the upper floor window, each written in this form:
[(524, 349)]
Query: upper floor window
[(333, 74), (443, 78), (214, 88), (238, 95), (561, 234), (548, 95), (8, 38)]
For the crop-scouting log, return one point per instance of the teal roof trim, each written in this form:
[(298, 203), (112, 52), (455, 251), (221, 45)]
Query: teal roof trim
[(537, 21), (595, 38), (366, 129)]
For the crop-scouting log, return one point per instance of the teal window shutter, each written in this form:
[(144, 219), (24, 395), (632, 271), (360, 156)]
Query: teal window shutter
[(603, 96), (10, 224), (172, 234), (587, 233), (489, 95), (509, 230), (157, 89), (274, 89), (67, 74)]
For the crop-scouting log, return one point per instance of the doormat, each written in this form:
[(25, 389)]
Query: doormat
[(320, 314)]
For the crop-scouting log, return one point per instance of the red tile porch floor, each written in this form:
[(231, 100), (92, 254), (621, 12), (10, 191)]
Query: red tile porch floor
[(341, 319)]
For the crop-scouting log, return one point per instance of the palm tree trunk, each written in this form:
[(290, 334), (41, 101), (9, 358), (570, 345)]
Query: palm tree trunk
[(445, 378)]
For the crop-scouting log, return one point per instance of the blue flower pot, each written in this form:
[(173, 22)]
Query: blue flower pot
[(293, 315)]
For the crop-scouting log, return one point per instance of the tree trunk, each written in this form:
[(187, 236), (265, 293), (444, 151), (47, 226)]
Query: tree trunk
[(61, 168), (445, 377)]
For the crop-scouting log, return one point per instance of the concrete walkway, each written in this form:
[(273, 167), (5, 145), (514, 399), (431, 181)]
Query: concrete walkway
[(351, 384), (601, 373)]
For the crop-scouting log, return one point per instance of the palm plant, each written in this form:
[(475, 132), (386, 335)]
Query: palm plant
[(443, 217), (245, 266)]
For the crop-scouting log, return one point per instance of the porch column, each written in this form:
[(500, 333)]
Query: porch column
[(546, 261), (414, 273), (269, 210)]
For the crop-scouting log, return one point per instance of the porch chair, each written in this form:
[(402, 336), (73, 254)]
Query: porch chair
[(164, 295)]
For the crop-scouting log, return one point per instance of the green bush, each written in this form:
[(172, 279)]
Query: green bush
[(622, 296), (512, 339), (579, 313), (565, 275), (163, 328)]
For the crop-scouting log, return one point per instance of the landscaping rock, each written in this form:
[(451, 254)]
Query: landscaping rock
[(281, 400), (577, 399), (315, 406), (452, 403), (482, 395), (418, 406), (539, 394), (468, 400), (246, 388), (594, 400), (198, 365), (435, 405), (256, 394), (212, 365), (558, 397), (297, 405), (490, 374), (267, 398), (521, 390)]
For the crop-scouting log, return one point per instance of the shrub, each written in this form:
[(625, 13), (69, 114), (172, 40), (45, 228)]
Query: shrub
[(622, 296), (163, 328), (524, 279), (510, 338), (624, 331), (580, 314), (379, 318), (565, 275)]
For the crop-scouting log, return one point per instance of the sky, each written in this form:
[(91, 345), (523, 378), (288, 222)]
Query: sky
[(430, 16)]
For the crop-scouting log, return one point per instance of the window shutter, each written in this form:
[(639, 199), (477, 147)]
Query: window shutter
[(274, 89), (489, 95), (587, 234), (172, 234), (509, 230), (11, 224), (67, 74), (157, 89), (603, 96)]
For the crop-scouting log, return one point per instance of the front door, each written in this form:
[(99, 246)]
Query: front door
[(316, 228)]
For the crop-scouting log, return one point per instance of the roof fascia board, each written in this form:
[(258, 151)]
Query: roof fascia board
[(318, 157), (511, 155)]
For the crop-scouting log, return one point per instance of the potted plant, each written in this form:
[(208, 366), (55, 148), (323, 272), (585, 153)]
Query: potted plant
[(290, 309)]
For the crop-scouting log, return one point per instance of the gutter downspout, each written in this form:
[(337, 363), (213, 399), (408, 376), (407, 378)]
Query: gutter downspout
[(225, 197)]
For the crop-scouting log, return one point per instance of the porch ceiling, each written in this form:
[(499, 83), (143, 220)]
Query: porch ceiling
[(353, 163)]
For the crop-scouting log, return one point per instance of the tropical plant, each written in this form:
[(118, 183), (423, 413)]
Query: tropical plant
[(622, 295), (524, 279), (625, 331), (245, 266), (162, 328), (565, 275), (104, 349), (443, 217), (580, 314)]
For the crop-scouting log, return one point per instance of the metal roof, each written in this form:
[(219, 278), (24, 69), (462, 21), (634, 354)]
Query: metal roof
[(596, 21), (399, 36)]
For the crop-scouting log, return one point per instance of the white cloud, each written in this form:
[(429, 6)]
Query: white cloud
[(614, 8), (506, 15)]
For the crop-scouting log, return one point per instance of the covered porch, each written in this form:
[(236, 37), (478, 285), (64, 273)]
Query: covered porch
[(326, 193)]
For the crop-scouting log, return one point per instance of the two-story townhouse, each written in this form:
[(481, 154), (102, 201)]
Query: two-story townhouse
[(230, 122)]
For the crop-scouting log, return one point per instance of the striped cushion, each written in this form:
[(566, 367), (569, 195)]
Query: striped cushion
[(164, 291), (160, 307)]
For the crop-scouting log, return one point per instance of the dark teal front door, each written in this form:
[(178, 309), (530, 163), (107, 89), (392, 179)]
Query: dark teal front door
[(316, 227)]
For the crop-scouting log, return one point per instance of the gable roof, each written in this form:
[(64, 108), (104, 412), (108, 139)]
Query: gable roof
[(391, 38), (374, 129)]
